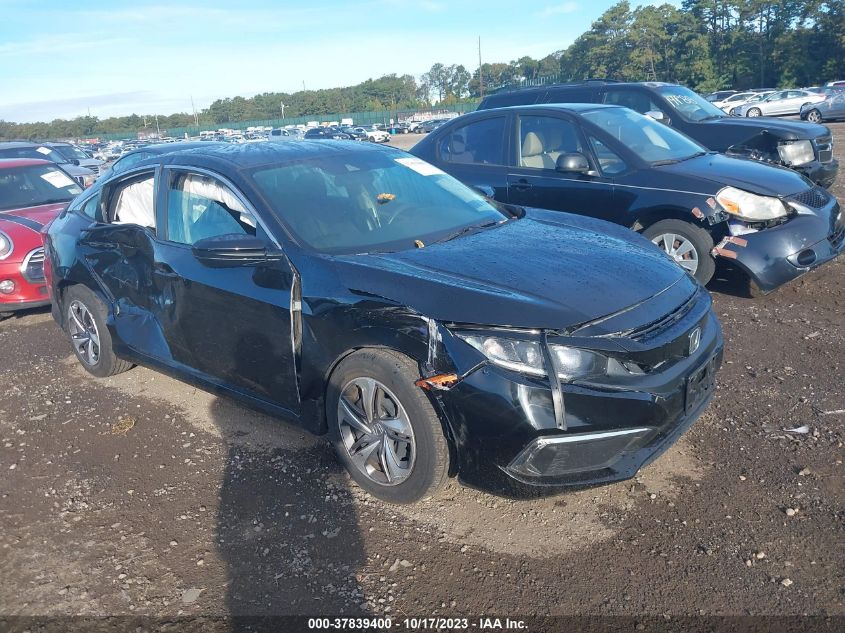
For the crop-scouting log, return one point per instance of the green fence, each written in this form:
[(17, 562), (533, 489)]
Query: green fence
[(359, 118)]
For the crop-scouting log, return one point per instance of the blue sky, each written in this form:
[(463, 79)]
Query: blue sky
[(64, 59)]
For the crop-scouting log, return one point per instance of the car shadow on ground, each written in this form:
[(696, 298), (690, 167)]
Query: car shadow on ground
[(287, 529), (729, 280)]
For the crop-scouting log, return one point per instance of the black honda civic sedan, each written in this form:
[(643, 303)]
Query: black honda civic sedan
[(612, 163), (363, 293)]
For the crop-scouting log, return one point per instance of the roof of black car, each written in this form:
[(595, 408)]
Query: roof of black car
[(571, 107), (248, 155)]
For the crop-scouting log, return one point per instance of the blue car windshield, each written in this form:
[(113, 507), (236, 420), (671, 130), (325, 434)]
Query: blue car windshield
[(362, 202), (653, 142)]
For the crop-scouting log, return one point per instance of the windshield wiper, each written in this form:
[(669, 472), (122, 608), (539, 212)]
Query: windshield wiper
[(465, 230), (672, 161)]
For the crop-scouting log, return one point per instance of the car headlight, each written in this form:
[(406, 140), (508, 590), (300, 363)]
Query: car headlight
[(749, 206), (573, 363), (515, 354), (796, 152), (6, 245)]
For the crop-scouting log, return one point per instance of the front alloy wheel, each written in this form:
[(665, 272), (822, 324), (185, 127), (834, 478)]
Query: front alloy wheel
[(384, 428), (84, 335), (755, 112), (814, 116), (376, 432)]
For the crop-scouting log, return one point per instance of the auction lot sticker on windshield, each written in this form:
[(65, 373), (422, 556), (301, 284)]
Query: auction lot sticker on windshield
[(680, 100), (419, 166), (58, 179), (43, 150)]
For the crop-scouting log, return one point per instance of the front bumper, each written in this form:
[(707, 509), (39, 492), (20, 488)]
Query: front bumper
[(777, 255), (30, 290), (508, 440), (823, 174)]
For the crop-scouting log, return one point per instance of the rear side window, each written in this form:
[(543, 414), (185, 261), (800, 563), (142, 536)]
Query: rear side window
[(91, 208), (569, 95), (479, 143), (637, 100)]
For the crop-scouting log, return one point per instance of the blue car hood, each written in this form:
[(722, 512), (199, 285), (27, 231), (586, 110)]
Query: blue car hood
[(546, 270)]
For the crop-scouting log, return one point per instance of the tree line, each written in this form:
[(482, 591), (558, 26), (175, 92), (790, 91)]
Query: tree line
[(706, 44)]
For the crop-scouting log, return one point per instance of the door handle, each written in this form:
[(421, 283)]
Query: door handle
[(521, 185)]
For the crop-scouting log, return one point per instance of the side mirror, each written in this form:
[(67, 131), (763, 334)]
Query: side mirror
[(234, 249), (74, 161), (658, 115), (574, 162)]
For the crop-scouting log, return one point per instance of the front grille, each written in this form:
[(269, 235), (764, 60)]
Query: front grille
[(824, 146), (814, 198), (32, 268), (654, 328), (94, 168)]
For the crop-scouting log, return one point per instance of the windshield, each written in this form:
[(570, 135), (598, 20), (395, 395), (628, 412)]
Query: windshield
[(71, 153), (41, 153), (32, 185), (653, 142), (361, 202), (688, 104)]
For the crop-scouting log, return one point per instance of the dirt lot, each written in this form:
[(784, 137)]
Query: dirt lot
[(141, 495)]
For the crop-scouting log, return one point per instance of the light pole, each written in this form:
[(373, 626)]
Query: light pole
[(282, 106)]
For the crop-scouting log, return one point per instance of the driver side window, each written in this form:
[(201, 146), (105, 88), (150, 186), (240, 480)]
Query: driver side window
[(199, 207)]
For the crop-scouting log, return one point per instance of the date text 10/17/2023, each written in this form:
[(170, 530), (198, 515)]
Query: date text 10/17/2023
[(419, 624)]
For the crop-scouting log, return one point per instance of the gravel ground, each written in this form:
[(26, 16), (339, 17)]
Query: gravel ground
[(138, 494)]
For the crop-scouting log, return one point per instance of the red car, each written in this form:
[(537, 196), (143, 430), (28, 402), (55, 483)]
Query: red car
[(32, 193)]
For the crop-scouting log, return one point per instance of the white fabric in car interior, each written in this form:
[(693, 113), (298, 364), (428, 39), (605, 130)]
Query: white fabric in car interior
[(135, 205), (205, 187)]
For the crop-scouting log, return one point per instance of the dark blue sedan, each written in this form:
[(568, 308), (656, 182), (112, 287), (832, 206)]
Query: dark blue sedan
[(363, 293)]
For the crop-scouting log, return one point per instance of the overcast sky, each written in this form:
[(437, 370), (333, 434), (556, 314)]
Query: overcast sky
[(61, 59)]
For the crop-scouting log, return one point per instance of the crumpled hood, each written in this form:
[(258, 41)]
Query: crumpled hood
[(781, 128), (718, 170), (546, 270)]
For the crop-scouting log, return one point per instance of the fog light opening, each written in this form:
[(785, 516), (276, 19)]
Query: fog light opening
[(7, 286), (806, 257)]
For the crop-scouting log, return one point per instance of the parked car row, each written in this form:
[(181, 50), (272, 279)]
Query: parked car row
[(517, 302)]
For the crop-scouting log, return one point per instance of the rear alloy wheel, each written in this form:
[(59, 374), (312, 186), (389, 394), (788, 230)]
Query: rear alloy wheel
[(85, 324), (384, 429), (689, 245), (814, 116), (754, 112)]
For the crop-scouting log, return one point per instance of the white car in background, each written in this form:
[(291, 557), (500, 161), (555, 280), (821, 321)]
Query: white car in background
[(376, 136), (733, 100), (779, 103), (753, 97)]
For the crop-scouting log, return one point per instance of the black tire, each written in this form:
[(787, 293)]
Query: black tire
[(814, 116), (430, 469), (754, 112), (700, 239), (107, 363)]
